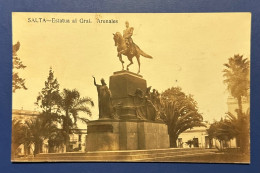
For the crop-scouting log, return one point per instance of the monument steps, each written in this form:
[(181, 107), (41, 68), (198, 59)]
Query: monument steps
[(126, 152), (175, 154), (177, 158)]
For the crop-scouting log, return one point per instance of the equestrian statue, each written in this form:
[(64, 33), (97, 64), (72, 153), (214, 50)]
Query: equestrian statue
[(127, 47)]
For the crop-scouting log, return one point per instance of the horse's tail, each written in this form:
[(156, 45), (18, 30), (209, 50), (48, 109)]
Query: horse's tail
[(143, 53)]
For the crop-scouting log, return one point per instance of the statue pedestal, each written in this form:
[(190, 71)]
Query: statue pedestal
[(128, 131), (123, 84), (111, 135)]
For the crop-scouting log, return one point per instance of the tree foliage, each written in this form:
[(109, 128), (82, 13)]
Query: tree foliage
[(236, 74), (48, 101), (223, 130), (18, 138), (180, 113), (49, 98), (38, 129), (230, 127), (56, 108), (237, 78), (18, 82), (62, 108), (190, 142), (71, 104)]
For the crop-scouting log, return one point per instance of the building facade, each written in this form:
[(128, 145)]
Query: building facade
[(77, 140), (195, 137), (198, 137)]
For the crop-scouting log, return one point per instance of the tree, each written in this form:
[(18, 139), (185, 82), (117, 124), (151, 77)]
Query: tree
[(71, 104), (18, 138), (244, 135), (237, 78), (18, 82), (239, 127), (38, 129), (48, 101), (179, 112), (238, 83), (56, 139), (49, 98), (223, 130), (229, 128), (190, 142), (61, 108)]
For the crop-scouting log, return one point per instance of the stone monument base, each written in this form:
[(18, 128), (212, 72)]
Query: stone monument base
[(111, 135)]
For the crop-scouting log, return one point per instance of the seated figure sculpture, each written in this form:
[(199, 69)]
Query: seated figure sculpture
[(145, 109)]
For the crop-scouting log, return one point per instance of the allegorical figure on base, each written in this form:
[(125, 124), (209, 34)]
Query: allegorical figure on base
[(104, 100)]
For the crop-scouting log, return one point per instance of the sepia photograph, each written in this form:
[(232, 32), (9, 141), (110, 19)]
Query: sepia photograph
[(131, 87)]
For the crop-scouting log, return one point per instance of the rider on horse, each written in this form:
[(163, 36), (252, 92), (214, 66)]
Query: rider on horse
[(127, 34)]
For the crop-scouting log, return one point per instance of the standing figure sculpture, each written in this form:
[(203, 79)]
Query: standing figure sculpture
[(104, 100), (127, 47)]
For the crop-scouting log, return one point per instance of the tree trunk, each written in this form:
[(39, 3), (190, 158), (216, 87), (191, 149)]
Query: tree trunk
[(240, 108), (220, 145), (245, 136), (40, 146), (50, 146), (67, 131), (36, 148), (210, 142), (13, 151), (173, 139)]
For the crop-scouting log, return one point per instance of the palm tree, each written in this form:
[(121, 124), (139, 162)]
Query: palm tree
[(56, 139), (18, 138), (238, 83), (237, 78), (179, 112), (223, 130), (231, 127), (71, 104), (240, 128), (38, 129)]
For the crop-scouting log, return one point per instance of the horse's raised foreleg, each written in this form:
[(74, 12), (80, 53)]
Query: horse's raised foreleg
[(139, 64), (131, 62), (121, 60), (121, 52)]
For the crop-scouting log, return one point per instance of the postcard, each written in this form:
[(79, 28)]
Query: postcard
[(131, 87)]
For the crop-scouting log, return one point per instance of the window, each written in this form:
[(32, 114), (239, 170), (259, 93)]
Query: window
[(195, 142)]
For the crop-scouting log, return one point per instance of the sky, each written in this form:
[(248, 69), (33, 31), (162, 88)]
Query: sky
[(188, 50)]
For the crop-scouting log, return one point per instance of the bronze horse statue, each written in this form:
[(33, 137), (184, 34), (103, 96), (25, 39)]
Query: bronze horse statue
[(122, 48)]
